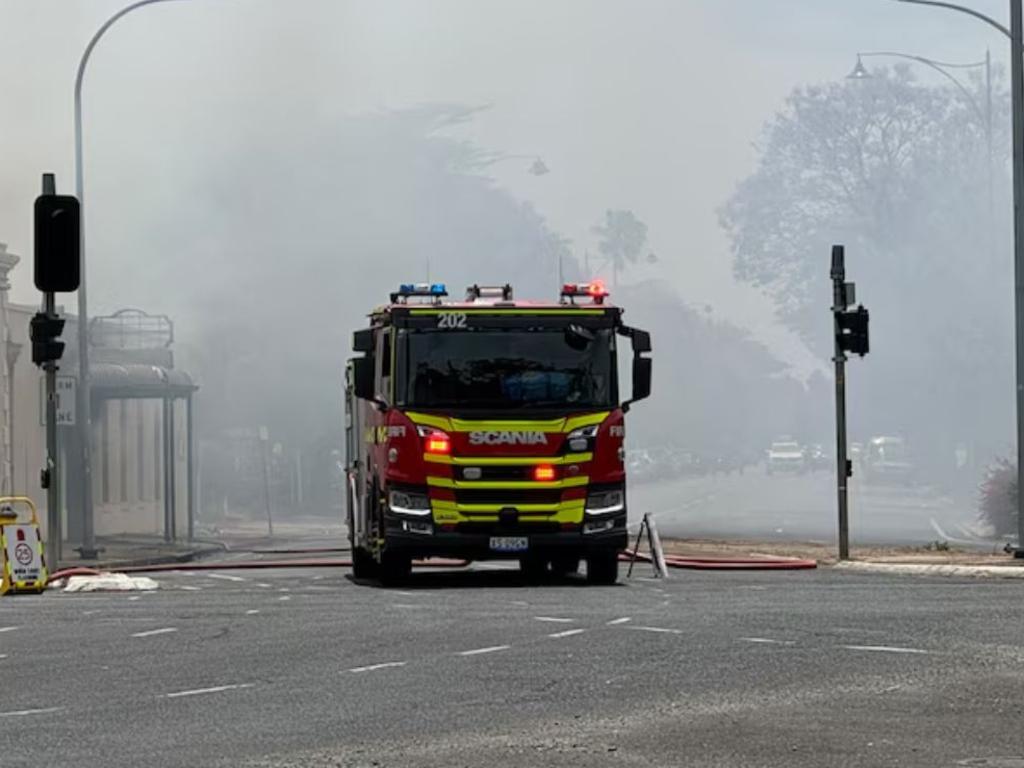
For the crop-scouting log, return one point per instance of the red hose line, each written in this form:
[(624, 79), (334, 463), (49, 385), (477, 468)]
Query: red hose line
[(728, 563), (75, 571), (239, 565)]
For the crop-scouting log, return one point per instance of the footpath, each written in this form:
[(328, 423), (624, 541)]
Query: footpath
[(929, 560)]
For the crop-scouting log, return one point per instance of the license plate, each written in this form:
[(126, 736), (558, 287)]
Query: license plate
[(510, 543)]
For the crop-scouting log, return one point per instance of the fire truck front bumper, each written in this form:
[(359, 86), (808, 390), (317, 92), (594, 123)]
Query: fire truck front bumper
[(504, 539)]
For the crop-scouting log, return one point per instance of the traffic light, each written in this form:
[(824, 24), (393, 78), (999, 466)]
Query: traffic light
[(44, 331), (57, 222), (852, 330)]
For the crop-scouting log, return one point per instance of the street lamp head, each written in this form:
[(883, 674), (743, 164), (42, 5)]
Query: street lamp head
[(538, 168), (859, 72)]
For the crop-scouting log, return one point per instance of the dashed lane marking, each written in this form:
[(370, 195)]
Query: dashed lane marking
[(767, 641), (189, 588), (285, 597), (555, 619), (375, 667), (224, 576), (25, 712), (252, 612), (151, 632), (883, 649), (623, 620), (8, 629), (665, 630), (567, 633), (214, 689), (261, 585), (491, 649)]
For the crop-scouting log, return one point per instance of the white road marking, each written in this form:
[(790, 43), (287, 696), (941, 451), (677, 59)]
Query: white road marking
[(666, 630), (407, 594), (285, 597), (519, 602), (261, 585), (568, 633), (8, 629), (767, 641), (623, 620), (3, 655), (252, 612), (215, 689), (151, 632), (90, 613), (374, 667), (883, 649), (224, 576), (557, 619), (491, 649), (23, 712), (134, 597), (189, 588)]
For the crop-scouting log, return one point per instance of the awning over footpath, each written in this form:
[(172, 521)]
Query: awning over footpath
[(116, 381)]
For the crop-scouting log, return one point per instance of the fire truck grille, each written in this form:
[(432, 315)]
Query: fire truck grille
[(517, 527), (511, 497)]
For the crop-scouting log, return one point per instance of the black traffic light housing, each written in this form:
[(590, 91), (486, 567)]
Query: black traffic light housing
[(57, 226), (852, 330), (44, 331)]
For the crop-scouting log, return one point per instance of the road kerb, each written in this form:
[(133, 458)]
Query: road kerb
[(933, 569)]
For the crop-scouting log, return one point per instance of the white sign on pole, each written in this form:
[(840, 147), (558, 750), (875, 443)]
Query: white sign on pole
[(66, 398)]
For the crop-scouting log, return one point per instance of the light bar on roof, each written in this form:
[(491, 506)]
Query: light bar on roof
[(595, 289), (433, 290)]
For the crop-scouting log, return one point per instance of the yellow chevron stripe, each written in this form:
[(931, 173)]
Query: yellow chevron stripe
[(508, 461), (506, 485)]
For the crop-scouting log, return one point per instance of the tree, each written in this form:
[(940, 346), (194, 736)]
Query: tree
[(623, 237), (899, 172)]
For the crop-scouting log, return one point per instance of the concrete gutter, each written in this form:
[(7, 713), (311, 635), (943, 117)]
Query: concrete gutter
[(933, 569)]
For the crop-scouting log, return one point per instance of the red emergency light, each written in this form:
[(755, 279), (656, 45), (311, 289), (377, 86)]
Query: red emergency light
[(595, 289), (435, 441)]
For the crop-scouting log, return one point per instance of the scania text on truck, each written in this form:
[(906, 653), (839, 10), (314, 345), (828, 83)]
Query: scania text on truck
[(490, 428)]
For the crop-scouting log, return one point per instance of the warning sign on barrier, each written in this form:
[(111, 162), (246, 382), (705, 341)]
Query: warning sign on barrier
[(21, 549)]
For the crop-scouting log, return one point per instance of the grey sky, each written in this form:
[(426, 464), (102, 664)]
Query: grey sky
[(647, 105)]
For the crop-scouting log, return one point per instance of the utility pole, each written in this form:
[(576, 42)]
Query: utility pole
[(1016, 34), (850, 329)]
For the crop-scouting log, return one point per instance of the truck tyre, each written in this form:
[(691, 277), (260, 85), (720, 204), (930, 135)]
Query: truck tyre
[(535, 569), (394, 569), (565, 565), (603, 567), (363, 564)]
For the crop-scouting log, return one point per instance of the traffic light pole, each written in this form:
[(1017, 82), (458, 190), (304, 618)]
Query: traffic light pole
[(842, 466), (51, 474)]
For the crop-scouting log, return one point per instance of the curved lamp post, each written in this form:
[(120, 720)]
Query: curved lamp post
[(88, 548), (1016, 35)]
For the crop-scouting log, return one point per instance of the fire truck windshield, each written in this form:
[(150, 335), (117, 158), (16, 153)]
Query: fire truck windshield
[(517, 367)]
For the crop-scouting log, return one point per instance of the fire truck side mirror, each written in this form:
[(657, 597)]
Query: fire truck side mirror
[(641, 341), (362, 341), (641, 378), (362, 378)]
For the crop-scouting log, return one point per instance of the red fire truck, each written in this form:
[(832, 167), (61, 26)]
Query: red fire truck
[(490, 428)]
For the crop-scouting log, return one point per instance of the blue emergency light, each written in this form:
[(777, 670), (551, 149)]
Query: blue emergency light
[(405, 290)]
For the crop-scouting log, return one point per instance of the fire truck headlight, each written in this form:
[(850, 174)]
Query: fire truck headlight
[(408, 503), (606, 502), (579, 439)]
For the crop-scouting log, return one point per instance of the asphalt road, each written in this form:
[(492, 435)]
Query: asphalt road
[(804, 507), (475, 668)]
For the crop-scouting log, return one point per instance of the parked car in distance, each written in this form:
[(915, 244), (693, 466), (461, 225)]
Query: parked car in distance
[(785, 456), (887, 460)]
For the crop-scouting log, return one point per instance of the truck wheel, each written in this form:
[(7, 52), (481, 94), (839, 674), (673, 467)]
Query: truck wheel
[(535, 569), (394, 569), (603, 567), (565, 565), (363, 564)]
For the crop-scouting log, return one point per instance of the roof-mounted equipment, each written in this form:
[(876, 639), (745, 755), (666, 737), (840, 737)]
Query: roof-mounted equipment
[(433, 291), (595, 290), (500, 292)]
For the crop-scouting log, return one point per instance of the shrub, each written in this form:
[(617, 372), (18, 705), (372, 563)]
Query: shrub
[(997, 504)]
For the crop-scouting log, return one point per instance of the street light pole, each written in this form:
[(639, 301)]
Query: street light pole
[(1016, 35), (88, 550)]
